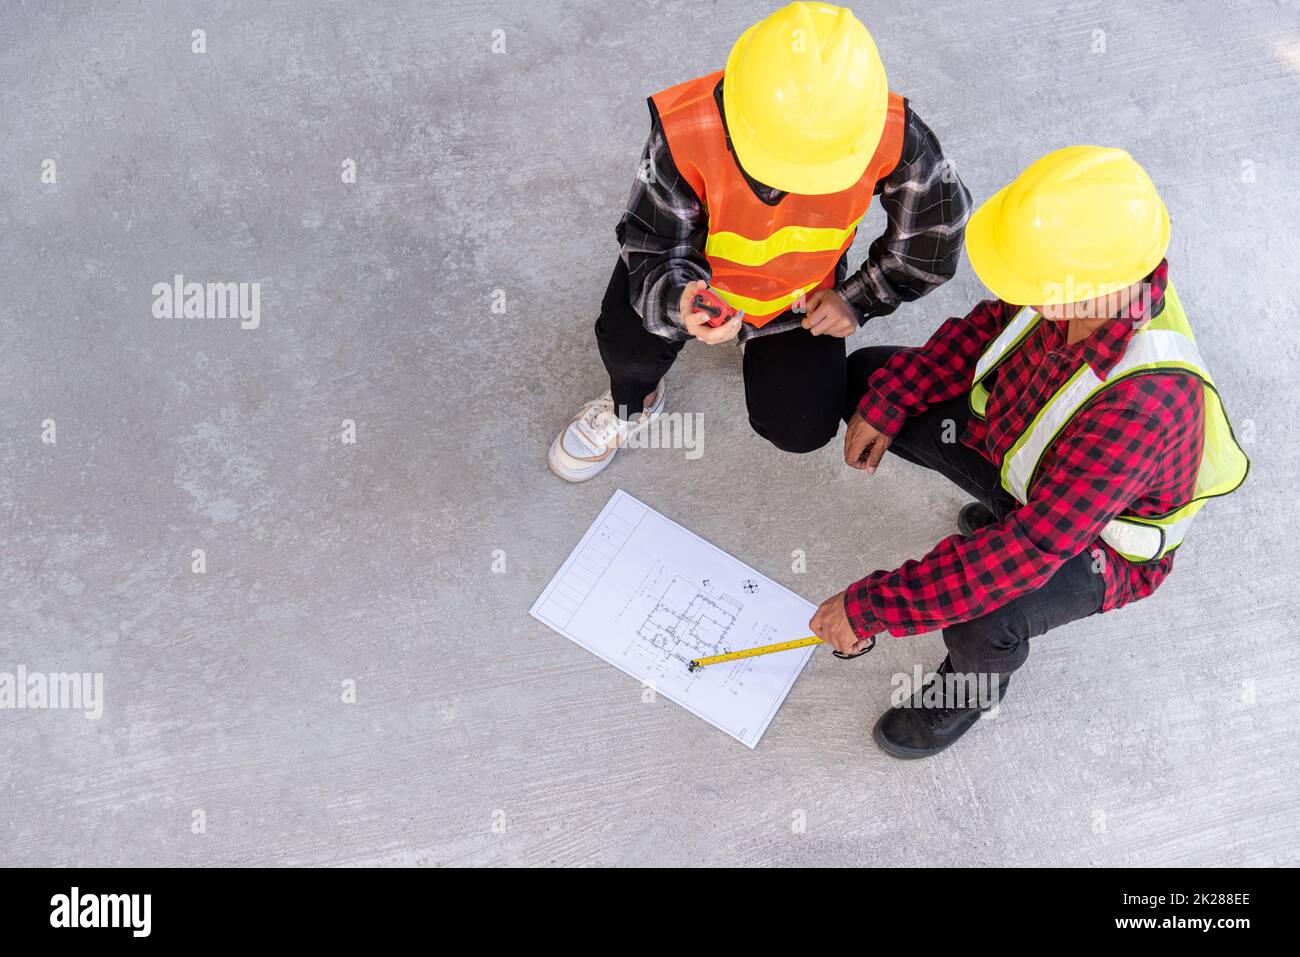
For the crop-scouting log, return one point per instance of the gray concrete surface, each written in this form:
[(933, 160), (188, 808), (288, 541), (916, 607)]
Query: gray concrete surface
[(1162, 734)]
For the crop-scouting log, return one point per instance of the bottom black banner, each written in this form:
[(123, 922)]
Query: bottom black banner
[(366, 906)]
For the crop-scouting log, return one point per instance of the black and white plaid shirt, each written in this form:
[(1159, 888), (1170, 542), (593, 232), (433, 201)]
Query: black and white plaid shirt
[(663, 231)]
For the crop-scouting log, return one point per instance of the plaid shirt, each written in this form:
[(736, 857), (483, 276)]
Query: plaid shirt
[(1136, 449), (663, 231)]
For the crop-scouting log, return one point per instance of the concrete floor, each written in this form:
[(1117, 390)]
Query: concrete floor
[(1162, 734)]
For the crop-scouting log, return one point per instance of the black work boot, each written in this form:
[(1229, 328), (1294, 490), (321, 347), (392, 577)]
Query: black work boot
[(974, 516), (934, 718)]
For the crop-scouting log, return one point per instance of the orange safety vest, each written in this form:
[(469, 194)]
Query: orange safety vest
[(765, 258)]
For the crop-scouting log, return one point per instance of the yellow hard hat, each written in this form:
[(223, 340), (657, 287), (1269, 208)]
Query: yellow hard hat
[(1079, 223), (806, 97)]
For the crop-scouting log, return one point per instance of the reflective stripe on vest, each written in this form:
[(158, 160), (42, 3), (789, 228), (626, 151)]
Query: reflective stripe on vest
[(1016, 331), (1162, 344), (760, 307), (763, 258), (790, 239)]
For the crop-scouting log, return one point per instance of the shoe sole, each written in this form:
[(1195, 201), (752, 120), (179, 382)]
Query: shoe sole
[(570, 475)]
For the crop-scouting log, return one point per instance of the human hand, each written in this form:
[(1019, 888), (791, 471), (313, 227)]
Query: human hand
[(829, 315), (864, 444), (697, 323), (831, 624)]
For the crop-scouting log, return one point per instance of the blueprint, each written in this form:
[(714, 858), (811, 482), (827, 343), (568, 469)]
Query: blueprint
[(648, 596)]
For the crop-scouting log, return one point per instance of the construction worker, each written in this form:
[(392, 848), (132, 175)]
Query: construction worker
[(752, 184), (1090, 434)]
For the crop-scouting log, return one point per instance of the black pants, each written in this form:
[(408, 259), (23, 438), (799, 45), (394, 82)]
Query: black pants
[(998, 642), (794, 381)]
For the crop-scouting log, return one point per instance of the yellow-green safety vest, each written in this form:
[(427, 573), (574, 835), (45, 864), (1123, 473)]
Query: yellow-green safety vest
[(1163, 343)]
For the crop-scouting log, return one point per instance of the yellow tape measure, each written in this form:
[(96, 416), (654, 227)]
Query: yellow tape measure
[(754, 652)]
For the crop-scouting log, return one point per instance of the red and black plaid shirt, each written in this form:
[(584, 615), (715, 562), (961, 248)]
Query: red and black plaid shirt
[(1135, 450)]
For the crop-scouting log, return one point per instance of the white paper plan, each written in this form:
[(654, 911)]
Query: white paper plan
[(648, 596)]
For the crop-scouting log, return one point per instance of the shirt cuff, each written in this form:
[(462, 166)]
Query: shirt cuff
[(857, 607), (673, 303), (881, 414), (858, 294)]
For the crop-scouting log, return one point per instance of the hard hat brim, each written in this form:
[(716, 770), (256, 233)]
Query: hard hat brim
[(986, 259), (1005, 280), (811, 177)]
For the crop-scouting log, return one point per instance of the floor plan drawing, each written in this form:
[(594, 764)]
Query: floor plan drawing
[(686, 621), (649, 596)]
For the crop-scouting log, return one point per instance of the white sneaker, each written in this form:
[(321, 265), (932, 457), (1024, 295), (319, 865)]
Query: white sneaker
[(588, 443)]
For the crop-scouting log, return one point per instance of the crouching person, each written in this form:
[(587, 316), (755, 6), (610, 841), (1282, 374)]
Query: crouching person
[(1077, 412), (752, 186)]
